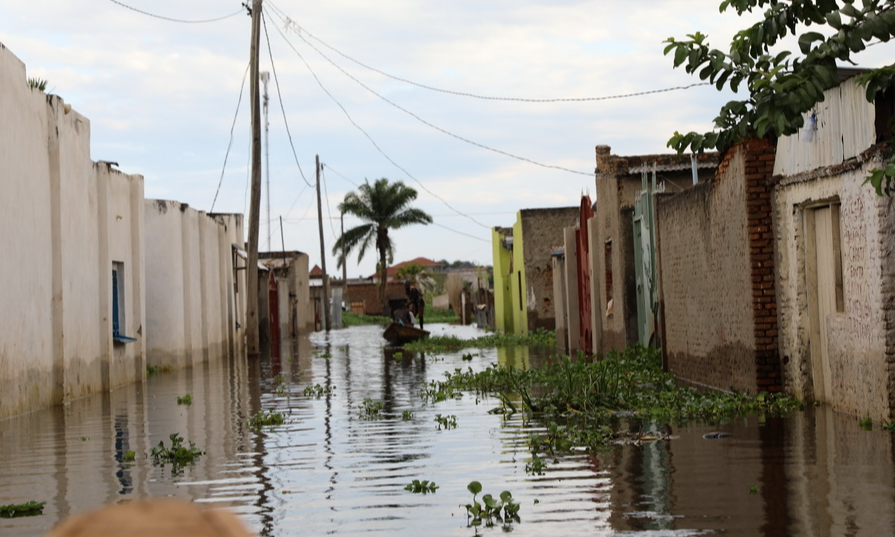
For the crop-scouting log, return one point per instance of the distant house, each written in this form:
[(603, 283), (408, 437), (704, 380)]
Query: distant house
[(392, 271)]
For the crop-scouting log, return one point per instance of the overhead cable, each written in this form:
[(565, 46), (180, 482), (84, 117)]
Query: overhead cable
[(230, 144), (280, 97), (367, 135), (436, 127), (169, 19)]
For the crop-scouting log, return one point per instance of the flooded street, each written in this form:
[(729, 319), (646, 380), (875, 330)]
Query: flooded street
[(331, 470)]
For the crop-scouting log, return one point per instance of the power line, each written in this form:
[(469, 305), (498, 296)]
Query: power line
[(304, 31), (169, 19), (230, 144), (367, 135), (280, 97), (436, 127), (452, 230), (340, 175)]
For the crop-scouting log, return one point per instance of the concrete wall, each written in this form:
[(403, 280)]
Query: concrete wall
[(561, 311), (188, 270), (706, 290), (570, 292), (65, 221)]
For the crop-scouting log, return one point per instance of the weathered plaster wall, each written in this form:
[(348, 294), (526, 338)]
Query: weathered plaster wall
[(187, 315), (64, 220), (857, 346), (561, 311), (29, 378), (572, 313), (518, 286), (502, 258), (541, 233), (706, 285)]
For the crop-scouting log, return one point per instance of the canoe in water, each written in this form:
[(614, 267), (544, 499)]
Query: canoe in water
[(402, 333)]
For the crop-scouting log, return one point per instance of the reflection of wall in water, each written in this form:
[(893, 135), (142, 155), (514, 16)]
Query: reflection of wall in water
[(840, 477), (517, 357)]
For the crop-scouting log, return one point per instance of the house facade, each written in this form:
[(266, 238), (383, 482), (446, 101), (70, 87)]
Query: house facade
[(834, 238)]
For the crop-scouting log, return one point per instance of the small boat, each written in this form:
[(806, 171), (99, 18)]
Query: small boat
[(397, 333)]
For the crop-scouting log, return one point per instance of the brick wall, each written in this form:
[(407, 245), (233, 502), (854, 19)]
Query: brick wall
[(759, 167), (716, 262)]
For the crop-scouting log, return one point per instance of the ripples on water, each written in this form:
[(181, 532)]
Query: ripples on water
[(328, 471)]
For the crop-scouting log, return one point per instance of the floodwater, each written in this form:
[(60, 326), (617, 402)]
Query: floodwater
[(328, 471)]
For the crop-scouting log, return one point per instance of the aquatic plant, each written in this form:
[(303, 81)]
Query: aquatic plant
[(537, 338), (266, 418), (185, 400), (397, 356), (15, 510), (866, 424), (503, 509), (156, 369), (129, 456), (406, 415), (580, 400), (421, 487), (370, 409), (535, 466), (445, 422), (319, 391), (178, 454)]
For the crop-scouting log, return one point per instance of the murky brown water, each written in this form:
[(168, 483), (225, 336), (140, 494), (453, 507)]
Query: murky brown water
[(327, 471)]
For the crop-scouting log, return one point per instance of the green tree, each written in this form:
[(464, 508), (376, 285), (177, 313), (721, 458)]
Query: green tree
[(381, 206), (783, 87)]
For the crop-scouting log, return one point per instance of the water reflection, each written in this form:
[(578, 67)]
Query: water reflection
[(329, 471)]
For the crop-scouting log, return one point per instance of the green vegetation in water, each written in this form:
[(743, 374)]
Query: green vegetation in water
[(370, 409), (536, 465), (129, 456), (407, 415), (397, 356), (888, 426), (503, 509), (539, 338), (178, 454), (436, 392), (754, 490), (156, 369), (421, 487), (445, 422), (16, 510), (866, 424), (579, 401), (319, 391), (353, 319), (267, 418), (185, 400)]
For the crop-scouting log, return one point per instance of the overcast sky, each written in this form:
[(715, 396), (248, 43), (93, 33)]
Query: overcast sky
[(162, 96)]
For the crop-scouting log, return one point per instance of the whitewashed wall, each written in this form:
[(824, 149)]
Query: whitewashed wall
[(63, 219), (188, 273), (859, 362)]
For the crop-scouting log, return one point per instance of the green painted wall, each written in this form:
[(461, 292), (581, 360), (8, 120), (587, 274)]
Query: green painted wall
[(503, 265)]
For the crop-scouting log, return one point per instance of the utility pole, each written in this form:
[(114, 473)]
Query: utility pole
[(253, 343), (265, 76), (344, 266), (326, 318)]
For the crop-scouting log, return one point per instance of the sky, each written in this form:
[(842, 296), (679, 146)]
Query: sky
[(468, 102)]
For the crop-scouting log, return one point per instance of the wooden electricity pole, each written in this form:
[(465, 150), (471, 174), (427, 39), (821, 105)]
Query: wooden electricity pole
[(253, 344), (326, 317)]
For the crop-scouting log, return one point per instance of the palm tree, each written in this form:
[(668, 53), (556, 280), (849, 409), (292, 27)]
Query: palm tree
[(381, 206)]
